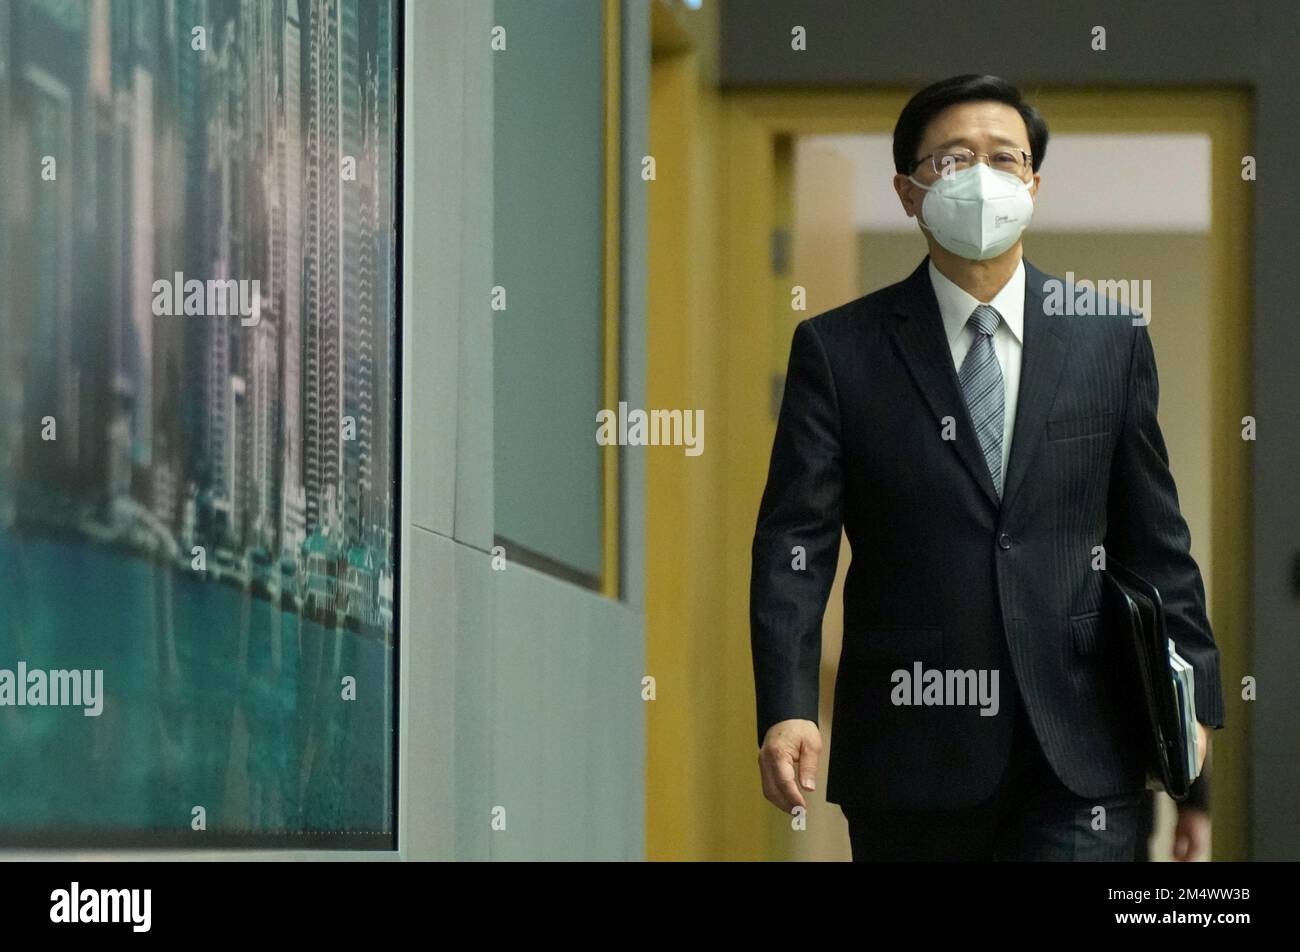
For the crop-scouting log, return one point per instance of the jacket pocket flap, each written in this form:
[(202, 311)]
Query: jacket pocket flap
[(1086, 630)]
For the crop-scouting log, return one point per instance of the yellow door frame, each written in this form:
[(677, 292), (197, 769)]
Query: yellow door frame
[(757, 345)]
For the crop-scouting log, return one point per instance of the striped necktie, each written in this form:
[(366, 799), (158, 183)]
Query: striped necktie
[(981, 382)]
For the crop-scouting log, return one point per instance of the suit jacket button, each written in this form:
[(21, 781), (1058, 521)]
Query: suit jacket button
[(1004, 541)]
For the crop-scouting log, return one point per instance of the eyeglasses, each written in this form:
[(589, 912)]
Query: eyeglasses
[(1015, 161)]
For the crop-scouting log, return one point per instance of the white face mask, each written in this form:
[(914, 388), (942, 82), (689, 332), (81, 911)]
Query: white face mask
[(976, 213)]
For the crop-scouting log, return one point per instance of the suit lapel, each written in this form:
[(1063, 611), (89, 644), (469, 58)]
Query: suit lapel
[(919, 337), (1041, 362), (921, 341)]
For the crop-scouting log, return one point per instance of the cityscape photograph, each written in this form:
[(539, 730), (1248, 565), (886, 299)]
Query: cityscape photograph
[(197, 456)]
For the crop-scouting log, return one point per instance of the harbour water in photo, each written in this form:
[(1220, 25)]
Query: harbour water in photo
[(212, 698)]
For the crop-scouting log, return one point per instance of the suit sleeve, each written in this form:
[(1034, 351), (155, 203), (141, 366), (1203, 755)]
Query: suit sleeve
[(800, 508), (1147, 532)]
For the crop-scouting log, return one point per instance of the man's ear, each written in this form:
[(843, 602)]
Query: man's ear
[(909, 195), (1034, 183)]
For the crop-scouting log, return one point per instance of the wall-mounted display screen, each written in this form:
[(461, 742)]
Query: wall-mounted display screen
[(198, 353)]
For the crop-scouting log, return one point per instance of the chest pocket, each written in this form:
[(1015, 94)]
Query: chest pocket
[(1081, 427)]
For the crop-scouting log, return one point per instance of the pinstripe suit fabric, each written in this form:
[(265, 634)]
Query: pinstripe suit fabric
[(946, 573)]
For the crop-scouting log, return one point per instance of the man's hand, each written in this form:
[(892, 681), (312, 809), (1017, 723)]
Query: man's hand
[(1202, 746), (787, 744), (1192, 834)]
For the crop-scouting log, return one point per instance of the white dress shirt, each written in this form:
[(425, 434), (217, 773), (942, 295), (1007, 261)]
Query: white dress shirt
[(956, 307)]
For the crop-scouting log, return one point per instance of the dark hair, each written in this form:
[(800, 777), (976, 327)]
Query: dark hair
[(937, 97)]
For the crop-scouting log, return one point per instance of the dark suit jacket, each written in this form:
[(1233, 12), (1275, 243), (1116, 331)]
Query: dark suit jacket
[(943, 573)]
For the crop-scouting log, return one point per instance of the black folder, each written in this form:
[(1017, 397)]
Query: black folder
[(1133, 605)]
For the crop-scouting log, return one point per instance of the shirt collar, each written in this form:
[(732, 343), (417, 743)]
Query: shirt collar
[(956, 305)]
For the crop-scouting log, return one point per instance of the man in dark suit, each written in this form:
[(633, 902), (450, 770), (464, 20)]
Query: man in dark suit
[(986, 436)]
